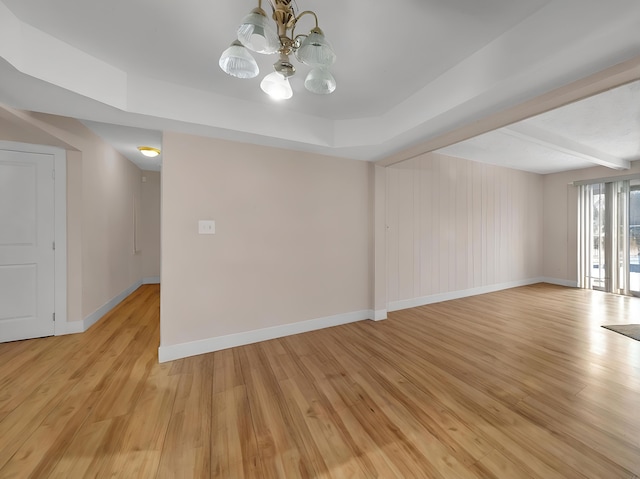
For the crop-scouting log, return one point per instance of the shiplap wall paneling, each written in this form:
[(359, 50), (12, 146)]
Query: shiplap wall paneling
[(455, 225)]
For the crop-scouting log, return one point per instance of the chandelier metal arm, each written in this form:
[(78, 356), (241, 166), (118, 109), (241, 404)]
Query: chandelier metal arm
[(295, 37), (306, 12)]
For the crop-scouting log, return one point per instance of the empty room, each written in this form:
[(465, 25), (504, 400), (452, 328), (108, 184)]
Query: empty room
[(304, 239)]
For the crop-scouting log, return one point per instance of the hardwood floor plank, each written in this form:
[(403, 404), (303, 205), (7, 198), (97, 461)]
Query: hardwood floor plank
[(20, 455), (19, 425), (82, 453), (311, 463), (497, 465), (338, 425), (617, 450), (274, 442), (140, 450), (188, 435)]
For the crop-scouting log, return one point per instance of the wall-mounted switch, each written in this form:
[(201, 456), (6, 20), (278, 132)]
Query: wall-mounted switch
[(206, 227)]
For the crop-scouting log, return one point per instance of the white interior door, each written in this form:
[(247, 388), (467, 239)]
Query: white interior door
[(27, 261)]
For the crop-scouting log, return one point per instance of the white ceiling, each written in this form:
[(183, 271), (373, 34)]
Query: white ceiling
[(601, 130), (126, 139), (407, 71)]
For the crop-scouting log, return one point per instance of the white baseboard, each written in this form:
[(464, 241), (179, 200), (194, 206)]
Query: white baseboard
[(437, 298), (151, 280), (203, 346), (74, 327), (379, 314), (560, 282), (70, 327)]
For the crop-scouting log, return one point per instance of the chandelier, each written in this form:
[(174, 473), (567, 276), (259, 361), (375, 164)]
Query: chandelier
[(258, 34)]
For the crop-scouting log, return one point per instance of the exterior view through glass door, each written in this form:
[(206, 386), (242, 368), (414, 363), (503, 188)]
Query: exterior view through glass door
[(609, 236), (595, 251), (634, 238)]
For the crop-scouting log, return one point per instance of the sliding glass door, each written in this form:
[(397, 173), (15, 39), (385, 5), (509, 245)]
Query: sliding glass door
[(609, 246)]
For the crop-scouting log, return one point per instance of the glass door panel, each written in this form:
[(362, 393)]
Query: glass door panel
[(634, 238), (597, 252)]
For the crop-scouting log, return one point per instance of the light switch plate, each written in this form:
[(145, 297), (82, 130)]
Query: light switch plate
[(206, 227)]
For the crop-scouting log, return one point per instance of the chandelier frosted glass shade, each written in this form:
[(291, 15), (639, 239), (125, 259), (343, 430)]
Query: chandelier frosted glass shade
[(278, 33), (315, 50), (238, 62), (276, 86), (256, 32), (320, 81)]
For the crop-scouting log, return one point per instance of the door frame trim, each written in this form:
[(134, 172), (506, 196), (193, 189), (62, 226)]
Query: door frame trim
[(60, 225)]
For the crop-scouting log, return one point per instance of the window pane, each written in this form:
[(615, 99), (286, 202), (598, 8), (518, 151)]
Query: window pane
[(634, 239)]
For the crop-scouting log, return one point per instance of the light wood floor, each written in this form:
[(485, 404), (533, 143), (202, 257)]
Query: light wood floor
[(516, 384)]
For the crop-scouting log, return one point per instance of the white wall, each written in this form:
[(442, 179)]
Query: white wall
[(456, 225), (150, 225), (293, 238), (561, 220), (111, 184)]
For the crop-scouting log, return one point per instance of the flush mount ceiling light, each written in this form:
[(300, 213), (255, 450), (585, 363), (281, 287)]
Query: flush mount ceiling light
[(149, 151), (257, 33)]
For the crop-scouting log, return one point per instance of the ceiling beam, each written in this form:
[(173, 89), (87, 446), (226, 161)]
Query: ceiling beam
[(611, 77), (533, 134)]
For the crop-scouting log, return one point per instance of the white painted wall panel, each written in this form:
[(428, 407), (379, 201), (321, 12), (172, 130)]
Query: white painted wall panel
[(405, 233), (455, 225), (392, 233)]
